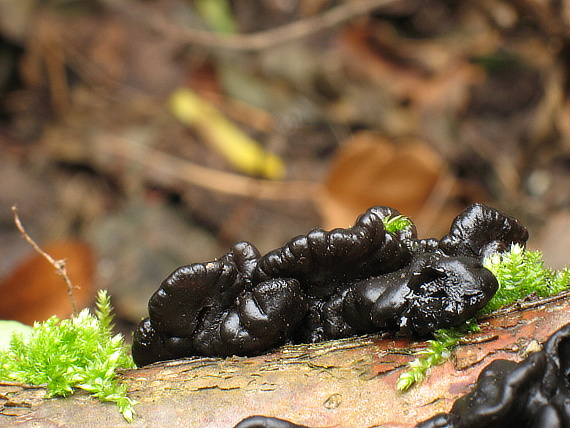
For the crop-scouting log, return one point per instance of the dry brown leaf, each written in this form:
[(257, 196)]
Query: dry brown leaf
[(35, 292), (371, 170)]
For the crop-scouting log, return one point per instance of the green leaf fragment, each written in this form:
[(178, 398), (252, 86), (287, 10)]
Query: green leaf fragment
[(217, 14)]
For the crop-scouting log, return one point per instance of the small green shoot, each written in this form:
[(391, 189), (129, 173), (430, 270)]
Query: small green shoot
[(520, 273), (437, 352), (396, 223), (7, 328), (80, 352)]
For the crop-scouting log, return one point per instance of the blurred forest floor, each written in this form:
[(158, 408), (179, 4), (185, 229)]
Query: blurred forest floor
[(137, 136)]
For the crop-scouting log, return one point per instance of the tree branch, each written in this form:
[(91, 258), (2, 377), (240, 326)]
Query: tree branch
[(248, 42)]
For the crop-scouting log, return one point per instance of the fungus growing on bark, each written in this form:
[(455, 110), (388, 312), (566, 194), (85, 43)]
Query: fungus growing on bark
[(368, 278)]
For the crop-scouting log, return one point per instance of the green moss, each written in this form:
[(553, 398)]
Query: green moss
[(437, 352), (396, 223), (80, 352), (520, 273)]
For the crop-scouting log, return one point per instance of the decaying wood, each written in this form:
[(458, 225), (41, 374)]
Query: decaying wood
[(348, 383)]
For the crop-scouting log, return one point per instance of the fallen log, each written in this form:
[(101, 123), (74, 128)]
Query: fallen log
[(344, 383)]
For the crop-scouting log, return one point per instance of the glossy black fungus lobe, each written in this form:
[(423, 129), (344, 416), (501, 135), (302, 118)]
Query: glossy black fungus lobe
[(325, 261), (266, 422), (326, 285), (480, 230), (432, 292)]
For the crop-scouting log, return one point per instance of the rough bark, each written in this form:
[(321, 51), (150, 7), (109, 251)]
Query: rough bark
[(347, 383)]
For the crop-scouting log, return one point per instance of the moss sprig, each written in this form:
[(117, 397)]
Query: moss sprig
[(393, 224), (435, 353), (520, 273), (80, 352)]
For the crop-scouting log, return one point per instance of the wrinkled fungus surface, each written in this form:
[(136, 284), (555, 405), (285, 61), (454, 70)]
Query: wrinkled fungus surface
[(327, 285)]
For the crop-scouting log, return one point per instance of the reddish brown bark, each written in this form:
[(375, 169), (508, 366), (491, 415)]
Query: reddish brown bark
[(348, 383)]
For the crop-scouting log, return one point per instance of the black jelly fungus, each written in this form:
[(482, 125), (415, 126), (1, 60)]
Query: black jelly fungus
[(266, 422), (327, 285), (480, 230)]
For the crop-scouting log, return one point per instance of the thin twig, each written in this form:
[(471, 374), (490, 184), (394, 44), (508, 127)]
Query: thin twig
[(59, 265), (164, 164), (248, 42)]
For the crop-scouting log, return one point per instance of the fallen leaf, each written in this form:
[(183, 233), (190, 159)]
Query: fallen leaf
[(371, 170), (34, 291), (427, 73)]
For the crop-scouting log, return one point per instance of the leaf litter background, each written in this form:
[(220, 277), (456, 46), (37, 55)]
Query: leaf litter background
[(137, 136)]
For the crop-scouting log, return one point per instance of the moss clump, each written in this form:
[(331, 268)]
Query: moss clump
[(80, 352), (521, 273)]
